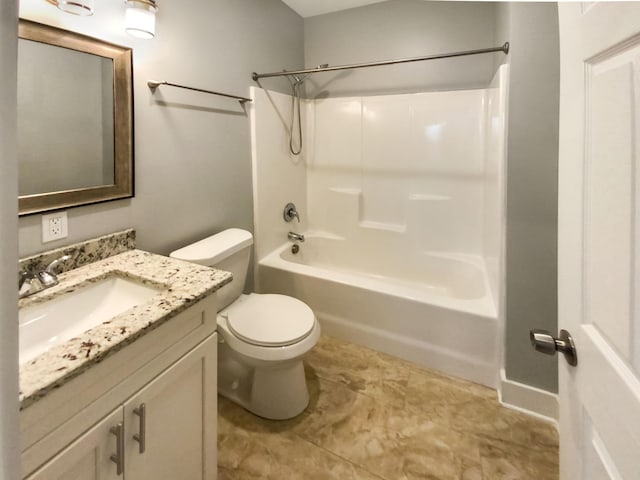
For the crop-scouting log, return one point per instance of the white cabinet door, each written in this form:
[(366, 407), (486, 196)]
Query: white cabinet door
[(174, 421), (599, 239), (87, 458)]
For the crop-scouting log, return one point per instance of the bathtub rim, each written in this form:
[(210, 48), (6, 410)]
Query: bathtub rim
[(484, 306)]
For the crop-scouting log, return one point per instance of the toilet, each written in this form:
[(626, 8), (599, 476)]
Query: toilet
[(262, 337)]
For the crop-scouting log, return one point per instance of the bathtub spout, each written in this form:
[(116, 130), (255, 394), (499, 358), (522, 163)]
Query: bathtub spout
[(295, 237)]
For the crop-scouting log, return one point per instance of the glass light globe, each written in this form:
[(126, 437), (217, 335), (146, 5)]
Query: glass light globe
[(76, 7), (140, 18)]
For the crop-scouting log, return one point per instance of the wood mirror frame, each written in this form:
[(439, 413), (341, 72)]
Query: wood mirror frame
[(122, 121)]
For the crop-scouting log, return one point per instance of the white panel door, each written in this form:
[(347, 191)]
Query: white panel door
[(599, 239), (88, 458), (179, 423)]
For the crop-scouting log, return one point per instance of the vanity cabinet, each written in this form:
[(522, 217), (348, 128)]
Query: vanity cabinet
[(165, 431), (174, 421), (88, 458), (159, 422)]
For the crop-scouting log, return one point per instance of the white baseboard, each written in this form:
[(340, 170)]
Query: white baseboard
[(527, 399)]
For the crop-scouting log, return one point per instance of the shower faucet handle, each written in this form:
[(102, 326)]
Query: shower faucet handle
[(290, 212)]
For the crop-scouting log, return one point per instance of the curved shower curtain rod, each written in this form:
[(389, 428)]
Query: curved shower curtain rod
[(504, 48)]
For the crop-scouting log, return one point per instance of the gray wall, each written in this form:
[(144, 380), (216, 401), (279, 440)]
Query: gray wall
[(401, 29), (192, 151), (9, 442), (532, 187)]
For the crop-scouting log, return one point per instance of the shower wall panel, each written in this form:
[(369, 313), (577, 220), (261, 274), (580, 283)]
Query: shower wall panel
[(278, 176), (404, 170), (494, 184)]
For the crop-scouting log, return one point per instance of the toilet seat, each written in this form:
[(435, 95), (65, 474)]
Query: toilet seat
[(270, 320)]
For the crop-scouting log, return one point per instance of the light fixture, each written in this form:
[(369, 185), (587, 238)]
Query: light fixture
[(77, 7), (140, 19)]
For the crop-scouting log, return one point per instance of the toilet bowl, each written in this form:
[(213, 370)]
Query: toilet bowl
[(262, 337)]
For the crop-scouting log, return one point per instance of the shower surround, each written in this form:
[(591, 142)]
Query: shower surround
[(401, 202)]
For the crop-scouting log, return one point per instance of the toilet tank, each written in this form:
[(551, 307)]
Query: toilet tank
[(228, 250)]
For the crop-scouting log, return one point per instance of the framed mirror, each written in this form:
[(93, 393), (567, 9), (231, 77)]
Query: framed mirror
[(75, 119)]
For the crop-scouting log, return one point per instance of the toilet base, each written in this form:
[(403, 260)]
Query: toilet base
[(273, 390)]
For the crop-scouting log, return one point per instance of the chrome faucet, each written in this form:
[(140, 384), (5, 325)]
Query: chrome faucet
[(34, 282), (295, 237), (48, 277), (28, 284)]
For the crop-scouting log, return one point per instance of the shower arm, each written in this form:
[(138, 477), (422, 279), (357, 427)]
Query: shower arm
[(504, 48)]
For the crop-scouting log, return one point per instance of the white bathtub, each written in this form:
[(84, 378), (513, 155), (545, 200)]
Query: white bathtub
[(436, 311)]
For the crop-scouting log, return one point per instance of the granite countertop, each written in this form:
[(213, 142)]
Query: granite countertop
[(181, 284)]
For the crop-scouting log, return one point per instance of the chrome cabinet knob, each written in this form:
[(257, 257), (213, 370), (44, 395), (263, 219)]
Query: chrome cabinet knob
[(546, 343)]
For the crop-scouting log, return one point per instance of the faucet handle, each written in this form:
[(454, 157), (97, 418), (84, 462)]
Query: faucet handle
[(28, 284), (48, 277), (290, 213), (23, 275), (55, 263)]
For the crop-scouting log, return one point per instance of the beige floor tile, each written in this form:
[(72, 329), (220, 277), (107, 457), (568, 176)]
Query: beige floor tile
[(280, 455), (491, 420), (373, 416), (360, 369), (385, 439), (506, 461), (226, 474), (441, 399)]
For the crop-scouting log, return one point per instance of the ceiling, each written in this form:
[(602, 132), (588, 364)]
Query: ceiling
[(309, 8)]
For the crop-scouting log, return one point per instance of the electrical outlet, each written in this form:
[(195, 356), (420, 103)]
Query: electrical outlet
[(54, 226)]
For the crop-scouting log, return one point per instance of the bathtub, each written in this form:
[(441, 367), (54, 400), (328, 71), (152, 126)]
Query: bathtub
[(436, 310)]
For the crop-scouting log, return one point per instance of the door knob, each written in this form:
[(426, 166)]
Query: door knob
[(546, 343)]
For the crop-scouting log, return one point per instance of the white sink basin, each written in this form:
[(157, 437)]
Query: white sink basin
[(45, 325)]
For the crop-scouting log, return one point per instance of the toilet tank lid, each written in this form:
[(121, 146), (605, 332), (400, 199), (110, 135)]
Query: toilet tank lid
[(215, 248)]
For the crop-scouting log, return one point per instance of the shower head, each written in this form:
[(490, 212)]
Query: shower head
[(299, 79)]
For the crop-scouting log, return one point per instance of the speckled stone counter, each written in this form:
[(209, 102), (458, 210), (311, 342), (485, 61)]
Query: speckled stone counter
[(181, 285), (83, 253)]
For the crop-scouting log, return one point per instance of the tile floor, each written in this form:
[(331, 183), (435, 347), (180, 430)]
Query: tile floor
[(372, 416)]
